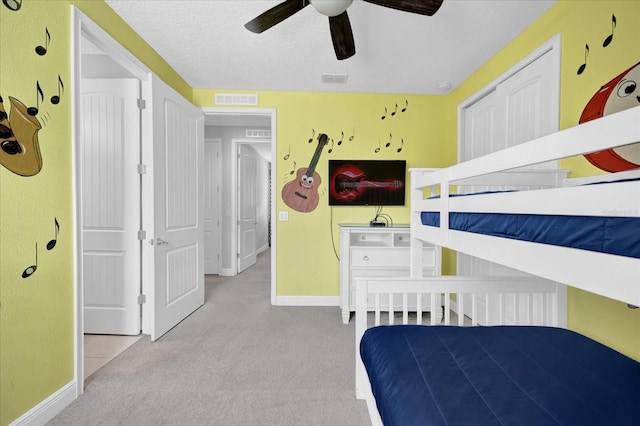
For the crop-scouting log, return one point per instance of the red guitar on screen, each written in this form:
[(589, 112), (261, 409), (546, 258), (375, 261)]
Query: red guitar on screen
[(349, 183), (301, 194)]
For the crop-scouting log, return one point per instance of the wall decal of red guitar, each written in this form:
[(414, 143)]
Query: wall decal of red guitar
[(301, 194), (349, 183)]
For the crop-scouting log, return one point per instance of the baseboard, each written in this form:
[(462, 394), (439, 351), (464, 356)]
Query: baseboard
[(226, 272), (308, 300), (48, 408)]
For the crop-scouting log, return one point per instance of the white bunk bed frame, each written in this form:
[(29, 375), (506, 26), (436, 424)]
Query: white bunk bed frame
[(591, 271), (613, 276)]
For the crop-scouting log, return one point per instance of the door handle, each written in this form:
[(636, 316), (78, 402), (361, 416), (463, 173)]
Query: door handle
[(160, 242)]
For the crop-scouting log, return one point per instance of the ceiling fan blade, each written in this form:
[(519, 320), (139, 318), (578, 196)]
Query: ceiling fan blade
[(275, 15), (422, 7), (342, 36)]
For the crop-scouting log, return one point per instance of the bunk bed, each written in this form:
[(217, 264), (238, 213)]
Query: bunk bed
[(516, 364)]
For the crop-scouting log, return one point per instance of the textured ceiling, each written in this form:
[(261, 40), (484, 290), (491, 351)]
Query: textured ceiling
[(396, 52)]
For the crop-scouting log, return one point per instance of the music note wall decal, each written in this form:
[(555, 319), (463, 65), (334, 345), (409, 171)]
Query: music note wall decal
[(583, 66), (406, 104), (388, 144), (377, 150), (609, 39), (51, 244), (286, 156), (55, 99), (341, 137), (34, 110), (385, 114), (313, 133), (401, 145), (293, 170), (42, 50), (13, 5), (31, 269), (331, 149), (394, 111), (353, 134)]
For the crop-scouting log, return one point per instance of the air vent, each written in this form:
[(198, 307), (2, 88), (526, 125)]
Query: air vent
[(257, 133), (235, 99), (333, 78)]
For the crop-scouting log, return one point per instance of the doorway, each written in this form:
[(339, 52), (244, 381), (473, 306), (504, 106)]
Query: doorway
[(235, 127), (167, 211), (108, 198)]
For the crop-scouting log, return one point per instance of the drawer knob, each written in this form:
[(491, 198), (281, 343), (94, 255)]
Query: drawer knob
[(365, 258)]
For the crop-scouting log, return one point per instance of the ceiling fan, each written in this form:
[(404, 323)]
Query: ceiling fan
[(336, 10)]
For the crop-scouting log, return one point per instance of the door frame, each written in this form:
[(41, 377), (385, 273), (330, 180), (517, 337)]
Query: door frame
[(249, 112), (218, 195), (84, 27)]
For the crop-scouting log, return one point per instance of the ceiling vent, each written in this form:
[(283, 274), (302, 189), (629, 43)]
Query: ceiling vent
[(257, 133), (333, 78), (235, 99)]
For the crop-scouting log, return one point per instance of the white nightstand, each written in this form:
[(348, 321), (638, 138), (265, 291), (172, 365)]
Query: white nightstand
[(367, 251)]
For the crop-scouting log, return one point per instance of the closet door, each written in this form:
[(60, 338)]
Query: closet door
[(524, 106), (516, 110)]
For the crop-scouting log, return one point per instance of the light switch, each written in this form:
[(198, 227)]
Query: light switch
[(284, 216)]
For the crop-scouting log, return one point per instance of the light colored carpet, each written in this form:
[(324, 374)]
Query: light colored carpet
[(235, 361)]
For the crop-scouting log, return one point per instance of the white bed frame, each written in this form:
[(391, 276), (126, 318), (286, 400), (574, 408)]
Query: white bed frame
[(433, 290), (612, 276)]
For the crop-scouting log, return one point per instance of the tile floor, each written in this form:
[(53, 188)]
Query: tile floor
[(99, 349)]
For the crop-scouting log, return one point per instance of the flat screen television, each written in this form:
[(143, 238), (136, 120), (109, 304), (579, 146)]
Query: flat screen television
[(367, 182)]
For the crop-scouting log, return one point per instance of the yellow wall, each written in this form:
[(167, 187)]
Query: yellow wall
[(36, 313), (579, 23), (36, 317), (306, 262)]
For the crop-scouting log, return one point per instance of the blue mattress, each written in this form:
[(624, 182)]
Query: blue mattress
[(612, 235), (503, 375)]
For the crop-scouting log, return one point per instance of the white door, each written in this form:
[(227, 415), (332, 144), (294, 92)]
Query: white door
[(212, 179), (246, 208), (524, 105), (518, 110), (110, 206), (178, 153)]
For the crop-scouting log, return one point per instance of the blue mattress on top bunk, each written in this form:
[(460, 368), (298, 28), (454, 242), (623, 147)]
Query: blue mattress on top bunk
[(612, 235), (501, 375)]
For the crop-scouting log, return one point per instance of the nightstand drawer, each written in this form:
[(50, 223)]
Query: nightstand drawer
[(398, 257), (375, 258)]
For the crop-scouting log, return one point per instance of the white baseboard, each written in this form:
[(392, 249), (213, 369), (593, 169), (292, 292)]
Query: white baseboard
[(308, 300), (226, 272), (48, 408)]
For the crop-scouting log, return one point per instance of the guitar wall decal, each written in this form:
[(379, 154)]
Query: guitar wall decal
[(301, 194), (349, 183)]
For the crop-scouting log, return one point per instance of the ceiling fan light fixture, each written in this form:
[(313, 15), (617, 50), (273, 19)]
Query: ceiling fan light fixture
[(331, 7)]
